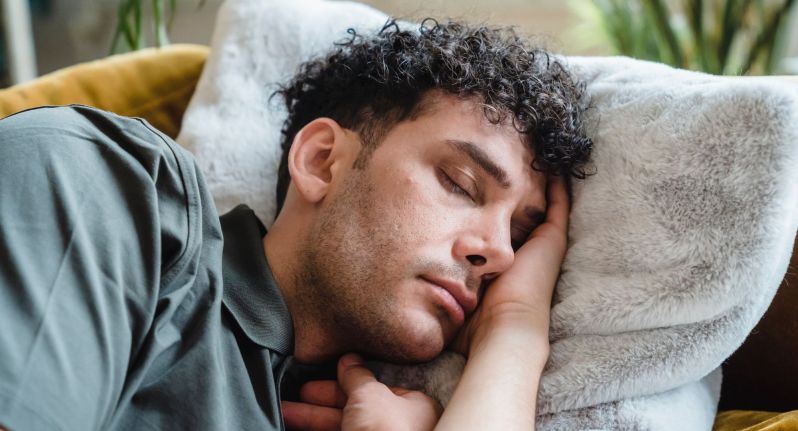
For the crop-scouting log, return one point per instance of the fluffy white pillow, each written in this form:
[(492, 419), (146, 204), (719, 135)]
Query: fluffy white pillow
[(232, 125), (677, 244)]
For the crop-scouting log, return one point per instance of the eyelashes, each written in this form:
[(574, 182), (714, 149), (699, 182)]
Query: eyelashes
[(520, 235), (453, 187)]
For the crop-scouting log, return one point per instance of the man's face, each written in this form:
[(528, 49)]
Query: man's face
[(396, 259)]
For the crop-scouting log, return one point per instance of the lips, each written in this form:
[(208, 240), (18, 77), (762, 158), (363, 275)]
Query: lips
[(466, 300)]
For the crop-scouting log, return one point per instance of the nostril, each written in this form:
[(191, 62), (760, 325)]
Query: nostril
[(476, 259)]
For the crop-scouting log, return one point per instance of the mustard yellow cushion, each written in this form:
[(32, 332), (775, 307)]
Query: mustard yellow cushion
[(155, 84), (747, 420)]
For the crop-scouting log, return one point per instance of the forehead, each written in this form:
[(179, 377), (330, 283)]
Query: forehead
[(443, 118), (447, 126)]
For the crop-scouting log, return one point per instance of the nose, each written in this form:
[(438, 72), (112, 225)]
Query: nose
[(487, 249)]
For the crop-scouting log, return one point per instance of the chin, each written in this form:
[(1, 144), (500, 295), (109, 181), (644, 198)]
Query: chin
[(422, 342), (412, 353)]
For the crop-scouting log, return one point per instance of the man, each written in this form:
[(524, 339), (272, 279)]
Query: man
[(423, 205)]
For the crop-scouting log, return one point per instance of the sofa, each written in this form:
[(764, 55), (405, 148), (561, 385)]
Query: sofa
[(760, 386)]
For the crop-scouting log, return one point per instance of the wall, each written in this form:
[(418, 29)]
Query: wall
[(81, 30)]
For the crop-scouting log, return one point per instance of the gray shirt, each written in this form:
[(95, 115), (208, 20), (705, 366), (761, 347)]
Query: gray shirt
[(121, 307)]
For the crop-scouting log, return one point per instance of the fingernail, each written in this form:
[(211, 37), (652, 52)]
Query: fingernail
[(351, 359)]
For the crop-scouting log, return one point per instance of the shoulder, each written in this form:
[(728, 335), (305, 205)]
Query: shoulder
[(117, 177), (83, 131)]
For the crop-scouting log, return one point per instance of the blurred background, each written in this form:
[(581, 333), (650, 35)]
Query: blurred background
[(730, 37)]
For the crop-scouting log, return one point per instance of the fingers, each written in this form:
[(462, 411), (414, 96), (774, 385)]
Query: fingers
[(400, 391), (320, 408), (323, 393), (420, 397), (559, 205), (554, 232), (352, 374), (301, 417)]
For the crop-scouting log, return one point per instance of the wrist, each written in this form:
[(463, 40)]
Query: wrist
[(512, 332)]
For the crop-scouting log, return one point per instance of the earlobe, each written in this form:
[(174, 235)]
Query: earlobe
[(312, 156)]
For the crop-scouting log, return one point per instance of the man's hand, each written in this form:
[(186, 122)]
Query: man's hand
[(518, 302), (507, 337), (357, 401)]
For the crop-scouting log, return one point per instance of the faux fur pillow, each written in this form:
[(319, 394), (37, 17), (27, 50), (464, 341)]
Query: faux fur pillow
[(677, 243), (232, 124)]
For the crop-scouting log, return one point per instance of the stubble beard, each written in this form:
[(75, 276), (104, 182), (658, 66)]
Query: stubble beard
[(347, 279)]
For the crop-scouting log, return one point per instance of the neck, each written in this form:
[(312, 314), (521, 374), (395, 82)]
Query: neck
[(313, 340)]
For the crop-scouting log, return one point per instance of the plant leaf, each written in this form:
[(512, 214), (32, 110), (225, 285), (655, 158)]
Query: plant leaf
[(764, 43), (660, 16), (172, 9), (161, 38), (138, 35), (130, 35)]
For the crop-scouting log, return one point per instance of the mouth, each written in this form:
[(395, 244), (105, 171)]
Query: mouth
[(453, 297)]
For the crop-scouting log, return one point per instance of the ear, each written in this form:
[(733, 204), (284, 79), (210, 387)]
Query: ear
[(316, 153)]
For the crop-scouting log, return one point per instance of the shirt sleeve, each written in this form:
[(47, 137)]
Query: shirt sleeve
[(99, 220)]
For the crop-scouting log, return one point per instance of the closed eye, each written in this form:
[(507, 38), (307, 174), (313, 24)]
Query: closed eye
[(450, 185), (520, 236)]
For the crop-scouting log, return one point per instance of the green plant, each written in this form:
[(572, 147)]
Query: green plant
[(131, 15), (729, 37)]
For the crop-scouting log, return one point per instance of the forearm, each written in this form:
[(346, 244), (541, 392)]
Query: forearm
[(498, 389), (507, 337)]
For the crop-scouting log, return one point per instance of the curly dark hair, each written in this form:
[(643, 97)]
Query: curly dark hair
[(369, 84)]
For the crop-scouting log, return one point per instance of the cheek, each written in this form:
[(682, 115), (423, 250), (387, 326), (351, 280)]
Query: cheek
[(420, 214), (419, 208)]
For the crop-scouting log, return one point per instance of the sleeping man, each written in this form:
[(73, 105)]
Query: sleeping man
[(423, 206)]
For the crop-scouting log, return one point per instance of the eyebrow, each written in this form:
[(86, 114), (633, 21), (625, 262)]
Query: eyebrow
[(535, 215)]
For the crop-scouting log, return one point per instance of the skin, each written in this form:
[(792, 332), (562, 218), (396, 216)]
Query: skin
[(353, 251)]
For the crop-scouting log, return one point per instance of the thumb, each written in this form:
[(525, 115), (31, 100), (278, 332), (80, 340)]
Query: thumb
[(352, 374)]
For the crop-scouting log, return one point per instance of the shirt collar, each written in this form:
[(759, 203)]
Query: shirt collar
[(250, 291)]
